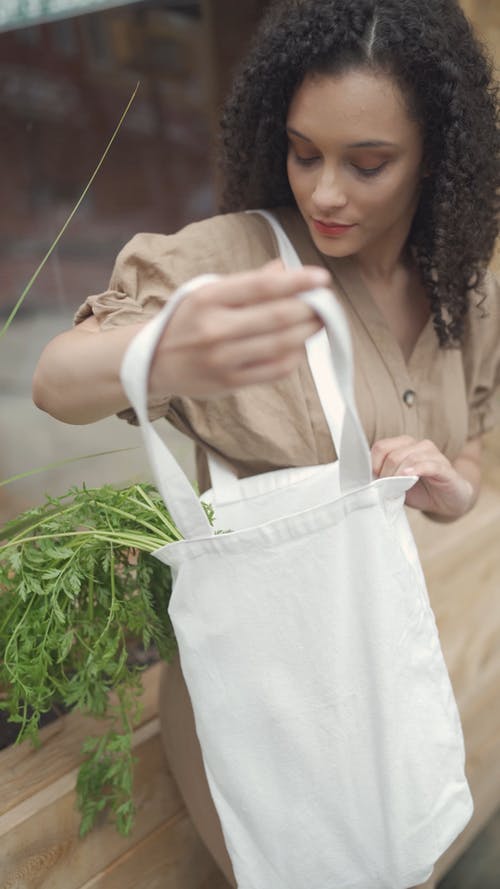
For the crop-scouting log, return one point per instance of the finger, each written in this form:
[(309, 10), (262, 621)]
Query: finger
[(433, 471), (263, 349), (399, 460), (261, 319), (263, 285), (390, 456), (266, 372), (396, 462), (386, 446)]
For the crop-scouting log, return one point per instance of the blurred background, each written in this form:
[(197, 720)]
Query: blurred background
[(67, 70), (65, 79)]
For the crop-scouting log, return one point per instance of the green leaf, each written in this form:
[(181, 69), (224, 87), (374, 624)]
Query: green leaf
[(77, 581), (66, 643)]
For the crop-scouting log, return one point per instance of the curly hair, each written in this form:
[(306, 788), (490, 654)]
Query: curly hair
[(429, 48)]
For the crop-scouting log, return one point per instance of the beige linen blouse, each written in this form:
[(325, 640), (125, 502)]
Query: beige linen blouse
[(440, 394)]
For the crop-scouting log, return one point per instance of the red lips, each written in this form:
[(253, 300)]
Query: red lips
[(332, 229)]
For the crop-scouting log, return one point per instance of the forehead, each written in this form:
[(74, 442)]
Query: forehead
[(354, 106)]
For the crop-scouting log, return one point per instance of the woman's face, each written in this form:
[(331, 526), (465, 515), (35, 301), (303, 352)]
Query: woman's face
[(354, 162)]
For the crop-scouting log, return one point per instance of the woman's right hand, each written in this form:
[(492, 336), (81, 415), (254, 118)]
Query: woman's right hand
[(239, 330)]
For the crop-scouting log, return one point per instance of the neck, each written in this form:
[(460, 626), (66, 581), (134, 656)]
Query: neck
[(382, 262)]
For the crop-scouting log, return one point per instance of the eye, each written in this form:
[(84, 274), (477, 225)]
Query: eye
[(369, 171), (304, 161)]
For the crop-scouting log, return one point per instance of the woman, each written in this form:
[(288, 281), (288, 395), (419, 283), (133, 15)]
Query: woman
[(369, 126)]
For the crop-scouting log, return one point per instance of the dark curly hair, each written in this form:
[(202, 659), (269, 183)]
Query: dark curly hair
[(430, 49)]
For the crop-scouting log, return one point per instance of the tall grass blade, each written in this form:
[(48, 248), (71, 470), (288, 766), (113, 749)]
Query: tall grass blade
[(54, 244), (57, 463)]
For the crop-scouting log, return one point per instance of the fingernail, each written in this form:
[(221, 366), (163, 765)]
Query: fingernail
[(409, 470)]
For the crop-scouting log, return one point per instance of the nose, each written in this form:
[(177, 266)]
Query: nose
[(328, 192)]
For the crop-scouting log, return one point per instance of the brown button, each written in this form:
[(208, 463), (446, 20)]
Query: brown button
[(409, 397)]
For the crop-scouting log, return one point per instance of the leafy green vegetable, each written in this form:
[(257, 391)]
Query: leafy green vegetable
[(77, 582)]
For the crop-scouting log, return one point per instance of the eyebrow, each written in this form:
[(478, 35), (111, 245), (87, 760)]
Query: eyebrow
[(369, 143)]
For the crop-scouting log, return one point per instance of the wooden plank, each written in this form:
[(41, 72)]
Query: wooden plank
[(491, 441), (462, 568), (26, 771), (464, 596), (39, 843), (172, 857), (435, 539)]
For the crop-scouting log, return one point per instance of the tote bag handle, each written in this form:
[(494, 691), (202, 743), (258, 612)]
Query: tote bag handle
[(352, 449), (173, 485), (225, 485), (355, 470)]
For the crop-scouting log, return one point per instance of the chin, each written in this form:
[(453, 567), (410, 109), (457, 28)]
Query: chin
[(335, 249)]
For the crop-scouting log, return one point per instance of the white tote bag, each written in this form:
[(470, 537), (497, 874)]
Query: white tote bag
[(328, 727)]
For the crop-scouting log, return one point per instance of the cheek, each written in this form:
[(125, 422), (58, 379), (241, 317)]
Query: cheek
[(389, 197)]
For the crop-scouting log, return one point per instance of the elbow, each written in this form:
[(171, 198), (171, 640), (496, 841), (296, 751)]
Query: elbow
[(52, 402), (47, 390), (69, 378), (43, 394)]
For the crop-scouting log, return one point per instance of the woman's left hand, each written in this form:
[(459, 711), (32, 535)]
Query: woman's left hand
[(440, 490)]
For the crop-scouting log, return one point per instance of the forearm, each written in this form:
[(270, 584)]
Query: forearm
[(77, 377)]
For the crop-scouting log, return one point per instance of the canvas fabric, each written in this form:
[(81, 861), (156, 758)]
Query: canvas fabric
[(329, 732)]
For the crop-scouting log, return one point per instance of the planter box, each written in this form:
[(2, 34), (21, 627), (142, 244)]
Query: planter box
[(39, 843)]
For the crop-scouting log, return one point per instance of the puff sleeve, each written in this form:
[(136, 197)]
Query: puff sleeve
[(150, 268), (138, 288)]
